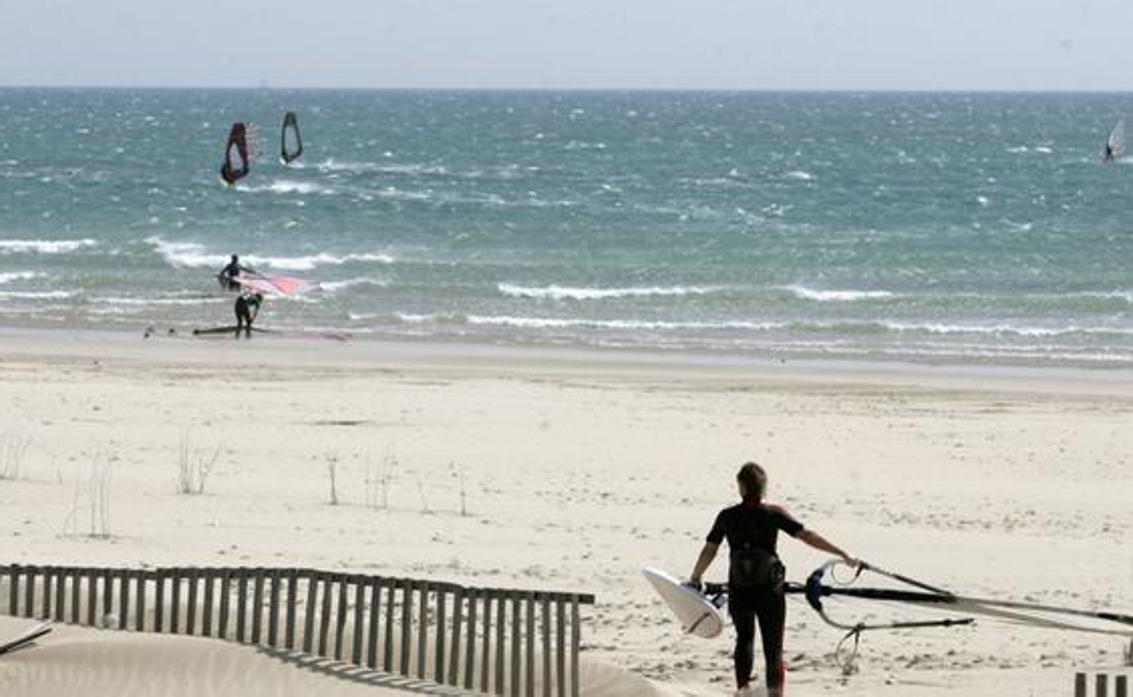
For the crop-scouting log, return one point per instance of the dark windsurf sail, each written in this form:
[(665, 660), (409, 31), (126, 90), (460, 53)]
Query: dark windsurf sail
[(237, 162), (290, 142)]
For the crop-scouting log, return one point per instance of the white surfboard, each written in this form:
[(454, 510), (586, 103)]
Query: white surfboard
[(25, 637), (697, 614)]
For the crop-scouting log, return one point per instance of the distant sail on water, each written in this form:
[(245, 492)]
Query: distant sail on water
[(239, 152), (290, 142), (1115, 143)]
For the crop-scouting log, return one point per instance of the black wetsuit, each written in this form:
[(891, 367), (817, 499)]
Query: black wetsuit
[(244, 314), (755, 583), (230, 272)]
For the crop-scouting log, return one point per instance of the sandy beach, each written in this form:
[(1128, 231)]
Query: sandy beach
[(561, 470)]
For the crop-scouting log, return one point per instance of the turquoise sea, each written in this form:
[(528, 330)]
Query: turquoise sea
[(924, 227)]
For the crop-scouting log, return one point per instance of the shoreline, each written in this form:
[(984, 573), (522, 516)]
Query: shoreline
[(39, 342)]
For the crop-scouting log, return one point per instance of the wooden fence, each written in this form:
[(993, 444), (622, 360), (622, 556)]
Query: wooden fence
[(1101, 685), (491, 640)]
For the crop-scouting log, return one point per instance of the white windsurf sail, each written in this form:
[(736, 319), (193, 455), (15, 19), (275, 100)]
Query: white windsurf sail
[(1115, 143)]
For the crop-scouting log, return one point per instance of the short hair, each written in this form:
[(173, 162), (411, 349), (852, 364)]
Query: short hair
[(753, 480)]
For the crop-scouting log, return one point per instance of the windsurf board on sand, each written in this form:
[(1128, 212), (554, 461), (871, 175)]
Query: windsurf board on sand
[(26, 637), (697, 613)]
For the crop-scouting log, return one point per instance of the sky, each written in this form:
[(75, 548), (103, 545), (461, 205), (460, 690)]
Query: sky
[(571, 44)]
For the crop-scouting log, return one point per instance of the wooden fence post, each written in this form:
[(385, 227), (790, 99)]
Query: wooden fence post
[(406, 624), (422, 626), (241, 604), (440, 617), (123, 598), (206, 610), (14, 590), (340, 620), (516, 643), (159, 601), (529, 614), (375, 613), (1121, 686), (191, 602), (560, 648), (501, 630), (29, 591), (387, 646), (225, 601), (470, 639), (458, 612), (485, 660), (76, 596), (324, 618), (292, 599), (140, 601), (257, 604), (175, 601), (309, 619), (546, 646), (359, 620), (273, 610)]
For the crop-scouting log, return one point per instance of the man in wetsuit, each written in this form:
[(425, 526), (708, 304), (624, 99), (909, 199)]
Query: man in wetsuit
[(755, 574), (229, 273), (247, 307)]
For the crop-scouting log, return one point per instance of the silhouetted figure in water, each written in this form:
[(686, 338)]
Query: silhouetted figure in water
[(246, 308)]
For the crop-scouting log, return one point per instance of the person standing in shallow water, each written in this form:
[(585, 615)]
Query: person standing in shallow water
[(246, 308), (755, 574)]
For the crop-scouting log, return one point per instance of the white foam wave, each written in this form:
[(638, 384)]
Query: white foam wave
[(555, 292), (553, 322), (836, 295), (20, 276), (44, 246), (111, 300), (799, 175), (1004, 329), (186, 254), (37, 295), (333, 286), (195, 255), (306, 263), (286, 186)]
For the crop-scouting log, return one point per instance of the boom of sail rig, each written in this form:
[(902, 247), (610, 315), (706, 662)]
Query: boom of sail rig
[(963, 609)]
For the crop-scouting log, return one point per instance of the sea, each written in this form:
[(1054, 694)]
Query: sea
[(939, 228)]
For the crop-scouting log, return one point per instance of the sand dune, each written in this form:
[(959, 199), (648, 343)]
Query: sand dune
[(91, 662)]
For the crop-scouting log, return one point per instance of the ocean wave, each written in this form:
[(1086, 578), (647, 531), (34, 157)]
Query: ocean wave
[(333, 286), (44, 246), (287, 186), (201, 300), (20, 276), (799, 175), (555, 292), (195, 255), (563, 323), (805, 293), (37, 295)]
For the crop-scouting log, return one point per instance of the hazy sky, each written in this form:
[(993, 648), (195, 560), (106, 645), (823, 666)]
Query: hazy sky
[(645, 44)]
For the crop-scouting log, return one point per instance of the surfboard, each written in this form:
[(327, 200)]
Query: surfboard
[(25, 637), (697, 613)]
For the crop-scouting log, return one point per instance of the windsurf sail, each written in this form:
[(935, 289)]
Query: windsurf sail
[(290, 142), (917, 593), (272, 284), (237, 163), (1115, 142), (25, 638)]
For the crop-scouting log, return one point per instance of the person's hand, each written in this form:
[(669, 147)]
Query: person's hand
[(855, 563), (694, 584)]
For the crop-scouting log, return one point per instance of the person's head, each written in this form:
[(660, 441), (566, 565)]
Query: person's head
[(234, 259), (752, 481), (259, 298)]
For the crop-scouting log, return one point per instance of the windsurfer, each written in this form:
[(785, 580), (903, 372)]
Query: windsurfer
[(247, 308), (228, 274), (755, 574)]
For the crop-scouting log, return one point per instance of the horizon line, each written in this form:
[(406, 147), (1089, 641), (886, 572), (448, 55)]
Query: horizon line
[(517, 89)]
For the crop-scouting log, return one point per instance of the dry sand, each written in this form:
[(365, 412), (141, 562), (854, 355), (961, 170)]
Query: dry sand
[(577, 469)]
